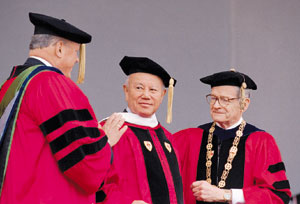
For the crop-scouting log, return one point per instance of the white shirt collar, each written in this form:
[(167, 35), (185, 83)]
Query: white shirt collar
[(234, 125), (138, 120), (42, 60)]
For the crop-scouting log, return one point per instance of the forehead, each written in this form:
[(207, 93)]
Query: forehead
[(229, 91), (145, 78)]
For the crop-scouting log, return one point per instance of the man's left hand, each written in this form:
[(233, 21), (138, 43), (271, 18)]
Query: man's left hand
[(113, 128)]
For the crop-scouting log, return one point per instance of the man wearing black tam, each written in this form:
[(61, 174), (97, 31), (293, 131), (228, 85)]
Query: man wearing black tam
[(145, 167), (51, 150), (230, 160)]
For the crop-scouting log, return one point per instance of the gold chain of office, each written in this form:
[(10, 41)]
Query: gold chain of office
[(232, 152)]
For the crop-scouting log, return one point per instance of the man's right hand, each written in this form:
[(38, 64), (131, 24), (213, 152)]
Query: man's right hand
[(112, 128), (204, 191)]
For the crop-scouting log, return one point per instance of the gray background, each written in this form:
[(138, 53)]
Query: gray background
[(191, 39)]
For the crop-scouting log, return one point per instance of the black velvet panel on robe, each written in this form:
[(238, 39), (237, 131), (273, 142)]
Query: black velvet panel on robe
[(222, 142), (156, 176)]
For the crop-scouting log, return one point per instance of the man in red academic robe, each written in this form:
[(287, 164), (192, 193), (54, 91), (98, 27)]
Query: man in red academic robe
[(229, 160), (145, 167), (51, 150)]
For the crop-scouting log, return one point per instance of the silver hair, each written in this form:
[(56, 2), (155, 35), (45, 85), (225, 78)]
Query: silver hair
[(247, 92), (126, 83), (43, 40)]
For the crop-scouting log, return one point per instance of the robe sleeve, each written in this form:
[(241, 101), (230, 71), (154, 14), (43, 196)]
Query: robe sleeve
[(109, 192), (268, 182), (181, 144), (70, 127), (187, 143)]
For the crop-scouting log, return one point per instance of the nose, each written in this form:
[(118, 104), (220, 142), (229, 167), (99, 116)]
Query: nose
[(217, 104), (146, 93)]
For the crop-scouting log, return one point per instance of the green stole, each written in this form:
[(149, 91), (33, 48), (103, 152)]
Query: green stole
[(9, 109)]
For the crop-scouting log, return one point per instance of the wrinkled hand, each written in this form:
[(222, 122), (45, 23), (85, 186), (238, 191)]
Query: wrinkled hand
[(112, 128), (138, 202), (204, 191)]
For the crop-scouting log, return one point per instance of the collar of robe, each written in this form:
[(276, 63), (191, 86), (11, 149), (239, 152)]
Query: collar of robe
[(229, 133)]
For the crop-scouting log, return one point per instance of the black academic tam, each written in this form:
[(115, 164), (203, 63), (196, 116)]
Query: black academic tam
[(231, 78), (58, 27), (131, 65)]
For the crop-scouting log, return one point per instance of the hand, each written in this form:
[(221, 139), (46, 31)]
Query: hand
[(112, 128), (204, 191), (138, 202)]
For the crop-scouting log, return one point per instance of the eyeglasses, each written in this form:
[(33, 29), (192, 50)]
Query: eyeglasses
[(223, 101)]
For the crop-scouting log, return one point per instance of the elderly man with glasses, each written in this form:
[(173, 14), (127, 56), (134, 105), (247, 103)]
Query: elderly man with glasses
[(230, 160)]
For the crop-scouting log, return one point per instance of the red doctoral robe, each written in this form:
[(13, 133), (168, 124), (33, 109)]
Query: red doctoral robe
[(57, 154), (145, 168), (257, 168)]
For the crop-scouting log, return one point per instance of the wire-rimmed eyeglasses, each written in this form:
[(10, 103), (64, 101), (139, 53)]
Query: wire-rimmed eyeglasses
[(223, 100)]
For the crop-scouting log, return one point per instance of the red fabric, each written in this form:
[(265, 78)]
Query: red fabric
[(5, 86), (32, 173), (127, 180), (187, 143), (261, 151)]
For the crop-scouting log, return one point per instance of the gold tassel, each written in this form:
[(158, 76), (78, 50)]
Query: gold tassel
[(243, 96), (81, 71), (242, 91), (170, 100)]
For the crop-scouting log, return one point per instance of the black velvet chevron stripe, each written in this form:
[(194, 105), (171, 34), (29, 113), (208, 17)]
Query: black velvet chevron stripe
[(155, 174), (281, 184), (64, 116), (282, 195), (78, 154), (276, 167), (72, 135), (173, 164)]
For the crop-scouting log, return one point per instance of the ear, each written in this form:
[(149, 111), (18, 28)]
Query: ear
[(246, 104), (164, 92), (125, 89), (59, 49)]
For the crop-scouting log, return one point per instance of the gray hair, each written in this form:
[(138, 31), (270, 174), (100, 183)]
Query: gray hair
[(43, 40), (247, 92), (241, 98), (126, 83)]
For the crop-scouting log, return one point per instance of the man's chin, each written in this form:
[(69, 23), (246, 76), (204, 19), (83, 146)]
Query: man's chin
[(145, 114), (218, 118)]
